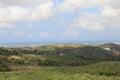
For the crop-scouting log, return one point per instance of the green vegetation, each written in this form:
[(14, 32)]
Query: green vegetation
[(108, 71), (60, 62), (56, 55), (4, 67)]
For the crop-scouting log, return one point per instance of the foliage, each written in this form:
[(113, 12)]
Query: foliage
[(56, 56), (89, 72), (4, 68)]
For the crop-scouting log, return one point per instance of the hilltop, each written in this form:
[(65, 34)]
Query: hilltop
[(114, 48)]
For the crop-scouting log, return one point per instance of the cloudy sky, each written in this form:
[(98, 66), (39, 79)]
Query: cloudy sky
[(59, 20)]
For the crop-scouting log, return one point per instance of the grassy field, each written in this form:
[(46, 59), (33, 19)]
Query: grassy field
[(98, 71), (47, 75)]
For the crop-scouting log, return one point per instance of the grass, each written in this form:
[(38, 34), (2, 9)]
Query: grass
[(47, 75), (98, 71)]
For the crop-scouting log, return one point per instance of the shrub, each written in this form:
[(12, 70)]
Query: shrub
[(106, 72), (4, 68)]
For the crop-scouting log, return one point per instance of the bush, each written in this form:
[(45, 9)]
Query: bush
[(106, 72), (4, 68)]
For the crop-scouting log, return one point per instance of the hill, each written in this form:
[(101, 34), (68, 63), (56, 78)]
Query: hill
[(56, 55), (59, 62), (114, 48)]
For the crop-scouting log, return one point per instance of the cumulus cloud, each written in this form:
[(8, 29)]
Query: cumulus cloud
[(13, 13), (6, 25), (39, 10), (114, 3), (76, 5), (88, 21), (23, 2), (42, 12), (107, 17), (21, 13), (111, 17)]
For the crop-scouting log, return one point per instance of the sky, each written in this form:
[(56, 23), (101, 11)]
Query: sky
[(25, 21)]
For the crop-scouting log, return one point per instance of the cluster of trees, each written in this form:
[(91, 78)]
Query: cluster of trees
[(3, 64)]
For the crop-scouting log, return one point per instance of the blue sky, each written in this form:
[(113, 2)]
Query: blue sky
[(25, 21)]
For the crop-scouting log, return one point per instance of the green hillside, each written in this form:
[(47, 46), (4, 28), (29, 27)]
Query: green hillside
[(98, 71), (59, 62), (56, 55)]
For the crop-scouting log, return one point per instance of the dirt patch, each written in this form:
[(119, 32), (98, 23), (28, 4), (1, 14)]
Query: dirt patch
[(18, 68), (14, 57)]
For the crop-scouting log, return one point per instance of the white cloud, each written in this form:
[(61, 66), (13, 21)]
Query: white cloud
[(23, 2), (114, 3), (39, 10), (42, 12), (107, 17), (73, 5), (69, 5), (108, 11), (21, 13), (6, 25), (45, 34), (111, 17), (13, 13), (88, 21)]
